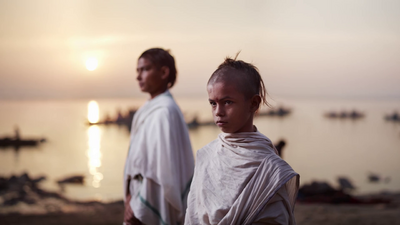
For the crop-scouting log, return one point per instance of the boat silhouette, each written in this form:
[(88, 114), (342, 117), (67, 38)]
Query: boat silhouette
[(395, 117), (345, 115), (18, 142), (280, 112)]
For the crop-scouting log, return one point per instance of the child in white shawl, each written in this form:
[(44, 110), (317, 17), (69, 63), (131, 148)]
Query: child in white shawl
[(239, 177), (160, 164)]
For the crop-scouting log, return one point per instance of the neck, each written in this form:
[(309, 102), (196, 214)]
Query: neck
[(158, 92), (249, 127)]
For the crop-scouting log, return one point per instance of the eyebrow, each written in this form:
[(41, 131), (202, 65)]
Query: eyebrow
[(143, 67), (226, 97)]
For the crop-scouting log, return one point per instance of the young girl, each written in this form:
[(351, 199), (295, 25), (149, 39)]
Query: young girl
[(239, 177)]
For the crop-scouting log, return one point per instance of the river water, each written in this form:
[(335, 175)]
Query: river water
[(318, 148)]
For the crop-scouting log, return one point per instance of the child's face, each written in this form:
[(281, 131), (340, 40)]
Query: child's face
[(151, 79), (232, 112)]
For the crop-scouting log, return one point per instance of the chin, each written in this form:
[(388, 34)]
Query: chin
[(226, 130)]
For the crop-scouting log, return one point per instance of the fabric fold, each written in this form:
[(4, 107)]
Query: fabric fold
[(236, 176), (160, 151)]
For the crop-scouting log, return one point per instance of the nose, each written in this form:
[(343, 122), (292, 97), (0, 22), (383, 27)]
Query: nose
[(220, 111), (139, 75)]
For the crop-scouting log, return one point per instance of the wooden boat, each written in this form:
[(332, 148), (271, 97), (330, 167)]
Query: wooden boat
[(280, 112), (7, 141)]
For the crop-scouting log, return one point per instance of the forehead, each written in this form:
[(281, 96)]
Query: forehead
[(221, 89), (144, 62)]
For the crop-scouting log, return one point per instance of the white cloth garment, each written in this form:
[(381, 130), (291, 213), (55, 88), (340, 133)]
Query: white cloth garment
[(160, 151), (236, 176), (275, 212)]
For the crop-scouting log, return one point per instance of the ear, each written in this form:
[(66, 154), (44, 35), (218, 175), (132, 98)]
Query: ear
[(164, 72), (255, 103)]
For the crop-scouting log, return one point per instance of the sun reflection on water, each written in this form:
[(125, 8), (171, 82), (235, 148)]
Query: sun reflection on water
[(93, 112), (94, 138)]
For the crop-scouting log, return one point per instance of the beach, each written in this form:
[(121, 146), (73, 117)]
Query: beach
[(314, 214), (23, 201), (112, 213)]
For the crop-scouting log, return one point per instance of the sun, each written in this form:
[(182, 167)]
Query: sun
[(91, 64)]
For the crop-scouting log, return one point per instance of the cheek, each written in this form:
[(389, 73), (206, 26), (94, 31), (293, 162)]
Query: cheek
[(154, 78), (213, 111), (144, 76), (149, 79), (242, 113)]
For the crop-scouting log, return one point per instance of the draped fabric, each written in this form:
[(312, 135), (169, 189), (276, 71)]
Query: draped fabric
[(160, 164), (235, 177)]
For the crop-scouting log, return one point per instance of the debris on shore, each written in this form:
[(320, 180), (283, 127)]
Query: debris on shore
[(22, 194), (323, 192)]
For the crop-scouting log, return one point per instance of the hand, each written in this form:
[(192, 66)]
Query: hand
[(128, 214), (129, 217)]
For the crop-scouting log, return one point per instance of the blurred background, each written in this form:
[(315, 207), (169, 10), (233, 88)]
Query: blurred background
[(68, 91)]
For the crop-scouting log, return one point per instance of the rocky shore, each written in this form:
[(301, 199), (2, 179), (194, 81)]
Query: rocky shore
[(23, 202)]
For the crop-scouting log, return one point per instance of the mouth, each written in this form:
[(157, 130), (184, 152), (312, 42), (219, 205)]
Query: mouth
[(220, 123), (141, 84)]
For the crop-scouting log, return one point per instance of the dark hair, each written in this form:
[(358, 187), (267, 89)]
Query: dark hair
[(248, 73), (160, 57)]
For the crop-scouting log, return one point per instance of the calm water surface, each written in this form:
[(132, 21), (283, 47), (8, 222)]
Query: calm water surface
[(318, 148)]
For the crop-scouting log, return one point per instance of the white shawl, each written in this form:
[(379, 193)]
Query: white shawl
[(235, 177), (161, 152)]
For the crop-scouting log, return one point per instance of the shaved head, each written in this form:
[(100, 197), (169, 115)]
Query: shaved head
[(244, 76), (234, 77)]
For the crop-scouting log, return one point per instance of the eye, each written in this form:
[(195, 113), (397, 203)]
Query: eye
[(228, 102), (212, 103)]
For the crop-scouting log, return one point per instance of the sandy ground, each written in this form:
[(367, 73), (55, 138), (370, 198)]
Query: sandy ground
[(346, 214), (54, 211)]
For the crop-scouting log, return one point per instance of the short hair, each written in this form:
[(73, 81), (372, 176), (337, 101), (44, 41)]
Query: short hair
[(248, 73), (160, 57)]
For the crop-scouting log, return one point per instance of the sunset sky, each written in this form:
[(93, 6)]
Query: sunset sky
[(302, 48)]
